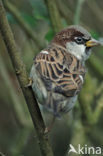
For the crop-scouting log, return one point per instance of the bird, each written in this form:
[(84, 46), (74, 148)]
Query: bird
[(58, 71)]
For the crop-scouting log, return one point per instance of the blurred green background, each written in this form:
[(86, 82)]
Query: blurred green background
[(83, 125)]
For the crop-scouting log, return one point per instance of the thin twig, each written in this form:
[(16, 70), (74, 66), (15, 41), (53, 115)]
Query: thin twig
[(67, 13), (78, 11), (15, 12), (97, 11), (15, 101), (89, 116), (21, 73), (54, 15), (95, 63)]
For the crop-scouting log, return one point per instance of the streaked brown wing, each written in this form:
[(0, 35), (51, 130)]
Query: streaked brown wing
[(56, 73)]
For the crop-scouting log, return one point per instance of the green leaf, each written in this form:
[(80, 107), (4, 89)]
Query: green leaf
[(49, 35), (95, 34), (10, 18), (29, 19)]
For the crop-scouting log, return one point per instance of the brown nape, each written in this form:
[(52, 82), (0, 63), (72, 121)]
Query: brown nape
[(65, 36)]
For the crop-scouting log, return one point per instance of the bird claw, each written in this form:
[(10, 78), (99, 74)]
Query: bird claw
[(30, 83), (17, 71), (47, 130)]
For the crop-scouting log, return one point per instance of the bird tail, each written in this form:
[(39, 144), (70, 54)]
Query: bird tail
[(54, 103)]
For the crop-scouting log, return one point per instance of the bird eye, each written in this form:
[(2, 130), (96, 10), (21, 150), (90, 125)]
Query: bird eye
[(79, 40)]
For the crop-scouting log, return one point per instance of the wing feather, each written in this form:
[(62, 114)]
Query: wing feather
[(61, 69)]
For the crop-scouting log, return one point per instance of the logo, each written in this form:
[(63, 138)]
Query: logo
[(85, 150)]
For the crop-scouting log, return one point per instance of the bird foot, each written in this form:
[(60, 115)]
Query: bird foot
[(17, 71), (47, 130), (30, 83)]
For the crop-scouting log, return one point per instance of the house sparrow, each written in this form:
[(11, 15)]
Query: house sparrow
[(58, 71)]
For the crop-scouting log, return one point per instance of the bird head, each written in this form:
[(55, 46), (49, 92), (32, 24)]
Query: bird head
[(77, 41)]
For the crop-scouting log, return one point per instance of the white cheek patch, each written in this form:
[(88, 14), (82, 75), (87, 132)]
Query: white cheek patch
[(80, 51), (81, 77), (77, 50), (44, 52)]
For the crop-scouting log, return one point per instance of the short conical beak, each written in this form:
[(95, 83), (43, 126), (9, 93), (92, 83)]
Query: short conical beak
[(92, 43)]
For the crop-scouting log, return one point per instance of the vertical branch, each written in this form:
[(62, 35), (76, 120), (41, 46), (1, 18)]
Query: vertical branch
[(21, 73), (85, 100), (86, 97), (78, 11), (54, 15), (65, 11), (95, 63), (16, 102)]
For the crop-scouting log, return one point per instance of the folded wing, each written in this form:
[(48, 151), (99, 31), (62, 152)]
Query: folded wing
[(59, 71)]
